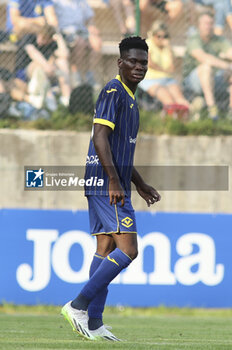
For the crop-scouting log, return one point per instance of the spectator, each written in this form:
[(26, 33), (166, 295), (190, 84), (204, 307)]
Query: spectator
[(172, 7), (207, 65), (5, 82), (124, 9), (222, 12), (159, 81), (38, 59), (75, 18), (165, 10), (27, 16)]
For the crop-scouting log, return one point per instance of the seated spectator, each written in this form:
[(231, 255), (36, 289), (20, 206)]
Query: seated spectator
[(39, 59), (75, 18), (124, 13), (159, 81), (5, 84), (222, 12), (27, 16), (207, 65), (172, 7), (166, 10)]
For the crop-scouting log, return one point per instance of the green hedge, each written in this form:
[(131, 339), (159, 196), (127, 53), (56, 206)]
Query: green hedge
[(150, 123)]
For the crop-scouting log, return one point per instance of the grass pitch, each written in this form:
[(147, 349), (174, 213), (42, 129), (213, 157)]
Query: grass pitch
[(157, 329)]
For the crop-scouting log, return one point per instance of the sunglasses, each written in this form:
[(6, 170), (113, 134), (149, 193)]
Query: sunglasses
[(166, 36)]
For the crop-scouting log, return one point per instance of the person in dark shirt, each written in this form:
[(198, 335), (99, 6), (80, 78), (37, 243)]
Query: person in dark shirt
[(40, 58)]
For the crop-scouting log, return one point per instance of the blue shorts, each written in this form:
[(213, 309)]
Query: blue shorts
[(146, 84), (106, 219)]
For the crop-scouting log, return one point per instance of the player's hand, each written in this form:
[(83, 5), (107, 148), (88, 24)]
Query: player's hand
[(149, 194), (116, 193)]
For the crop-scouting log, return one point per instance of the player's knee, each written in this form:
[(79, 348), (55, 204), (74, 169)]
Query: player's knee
[(105, 251), (132, 253), (105, 245)]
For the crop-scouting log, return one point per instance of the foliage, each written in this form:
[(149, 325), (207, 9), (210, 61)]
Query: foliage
[(150, 123), (156, 124)]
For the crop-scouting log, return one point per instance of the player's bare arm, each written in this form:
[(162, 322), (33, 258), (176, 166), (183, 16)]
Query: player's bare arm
[(147, 192), (102, 147)]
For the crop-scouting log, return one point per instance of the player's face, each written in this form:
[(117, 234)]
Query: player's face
[(133, 67)]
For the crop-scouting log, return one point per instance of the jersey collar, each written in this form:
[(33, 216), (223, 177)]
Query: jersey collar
[(125, 87)]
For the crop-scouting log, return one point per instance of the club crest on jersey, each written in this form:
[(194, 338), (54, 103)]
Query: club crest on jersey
[(127, 222), (132, 104)]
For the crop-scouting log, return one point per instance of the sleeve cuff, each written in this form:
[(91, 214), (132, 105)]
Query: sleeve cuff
[(104, 122)]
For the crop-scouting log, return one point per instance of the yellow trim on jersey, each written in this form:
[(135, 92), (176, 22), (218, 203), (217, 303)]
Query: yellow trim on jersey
[(125, 87), (104, 122)]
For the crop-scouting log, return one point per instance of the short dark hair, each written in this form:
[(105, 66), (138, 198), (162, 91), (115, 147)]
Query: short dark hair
[(132, 42)]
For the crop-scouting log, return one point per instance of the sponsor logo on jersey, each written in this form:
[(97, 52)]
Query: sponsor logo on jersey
[(132, 140), (92, 160)]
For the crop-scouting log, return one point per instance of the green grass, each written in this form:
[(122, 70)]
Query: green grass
[(156, 329)]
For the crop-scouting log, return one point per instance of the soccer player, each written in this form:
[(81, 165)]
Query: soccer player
[(112, 219)]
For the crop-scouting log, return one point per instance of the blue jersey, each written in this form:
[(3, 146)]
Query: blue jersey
[(27, 8), (116, 107)]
